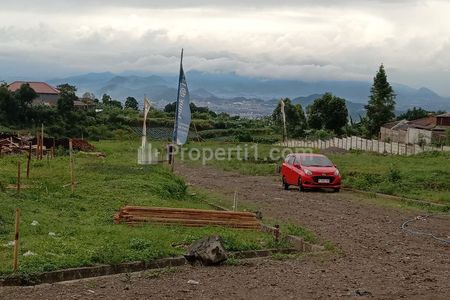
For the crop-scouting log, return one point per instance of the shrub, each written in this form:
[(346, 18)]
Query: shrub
[(394, 174)]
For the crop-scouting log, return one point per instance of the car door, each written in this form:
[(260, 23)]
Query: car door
[(290, 173), (296, 166)]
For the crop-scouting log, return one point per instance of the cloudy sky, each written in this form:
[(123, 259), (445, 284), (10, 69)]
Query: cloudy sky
[(307, 40)]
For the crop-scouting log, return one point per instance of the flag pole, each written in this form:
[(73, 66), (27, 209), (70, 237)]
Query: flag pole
[(174, 141)]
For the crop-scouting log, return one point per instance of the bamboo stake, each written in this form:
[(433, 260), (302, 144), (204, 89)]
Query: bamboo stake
[(235, 201), (37, 145), (42, 141), (28, 162), (16, 241), (72, 179), (18, 176)]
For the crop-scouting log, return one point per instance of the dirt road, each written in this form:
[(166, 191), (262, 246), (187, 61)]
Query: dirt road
[(374, 257)]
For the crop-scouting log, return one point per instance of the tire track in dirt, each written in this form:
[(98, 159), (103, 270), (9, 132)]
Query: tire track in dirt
[(375, 256)]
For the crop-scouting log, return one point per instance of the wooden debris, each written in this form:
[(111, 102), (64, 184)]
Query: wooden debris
[(136, 215)]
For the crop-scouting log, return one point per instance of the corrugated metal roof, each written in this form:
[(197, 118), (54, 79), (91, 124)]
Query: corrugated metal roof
[(38, 87)]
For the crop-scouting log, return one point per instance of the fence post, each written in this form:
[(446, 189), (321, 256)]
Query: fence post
[(19, 167), (72, 179), (16, 241)]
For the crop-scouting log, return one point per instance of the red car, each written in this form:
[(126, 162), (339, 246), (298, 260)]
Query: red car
[(310, 171)]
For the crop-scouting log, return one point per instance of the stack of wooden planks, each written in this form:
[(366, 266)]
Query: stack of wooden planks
[(135, 215), (12, 145)]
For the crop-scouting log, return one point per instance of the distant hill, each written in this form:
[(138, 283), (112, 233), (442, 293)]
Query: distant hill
[(228, 92)]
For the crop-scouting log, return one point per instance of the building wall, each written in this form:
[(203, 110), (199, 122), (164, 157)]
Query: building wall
[(387, 134), (414, 135), (443, 121), (47, 99)]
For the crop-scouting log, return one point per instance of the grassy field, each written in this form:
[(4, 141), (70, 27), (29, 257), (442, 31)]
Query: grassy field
[(73, 230), (424, 176)]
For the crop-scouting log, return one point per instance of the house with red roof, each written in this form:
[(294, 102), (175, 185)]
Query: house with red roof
[(427, 129), (47, 95)]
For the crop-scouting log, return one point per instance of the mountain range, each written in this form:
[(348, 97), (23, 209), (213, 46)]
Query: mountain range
[(229, 92)]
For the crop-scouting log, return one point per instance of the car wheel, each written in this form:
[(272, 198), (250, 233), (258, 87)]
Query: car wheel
[(285, 185), (337, 190), (300, 186)]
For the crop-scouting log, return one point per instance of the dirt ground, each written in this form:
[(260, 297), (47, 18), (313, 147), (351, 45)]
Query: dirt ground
[(374, 258)]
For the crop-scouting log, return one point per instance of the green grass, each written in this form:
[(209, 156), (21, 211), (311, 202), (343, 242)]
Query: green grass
[(81, 227), (423, 177)]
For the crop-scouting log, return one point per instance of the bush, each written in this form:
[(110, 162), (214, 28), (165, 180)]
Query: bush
[(394, 175)]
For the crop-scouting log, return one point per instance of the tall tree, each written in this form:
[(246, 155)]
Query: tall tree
[(295, 118), (131, 103), (67, 97), (380, 108), (328, 112)]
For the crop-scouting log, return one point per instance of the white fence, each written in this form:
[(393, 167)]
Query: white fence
[(358, 143)]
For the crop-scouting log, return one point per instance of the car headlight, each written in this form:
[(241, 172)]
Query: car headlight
[(336, 173), (308, 172)]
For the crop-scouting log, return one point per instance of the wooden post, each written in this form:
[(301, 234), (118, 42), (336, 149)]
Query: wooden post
[(19, 167), (42, 142), (72, 179), (29, 161), (16, 241), (53, 148), (37, 145)]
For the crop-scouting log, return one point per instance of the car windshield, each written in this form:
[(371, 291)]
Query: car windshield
[(315, 161)]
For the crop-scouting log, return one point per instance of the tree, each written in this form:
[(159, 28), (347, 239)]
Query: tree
[(295, 118), (67, 97), (328, 112), (106, 98), (115, 103), (380, 108), (170, 107), (24, 97), (88, 98), (413, 114), (131, 103), (9, 108)]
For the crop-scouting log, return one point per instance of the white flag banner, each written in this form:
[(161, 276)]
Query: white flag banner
[(144, 126)]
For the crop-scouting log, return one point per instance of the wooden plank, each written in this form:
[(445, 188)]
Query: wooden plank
[(167, 209)]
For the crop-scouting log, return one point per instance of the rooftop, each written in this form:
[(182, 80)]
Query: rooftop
[(38, 87)]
